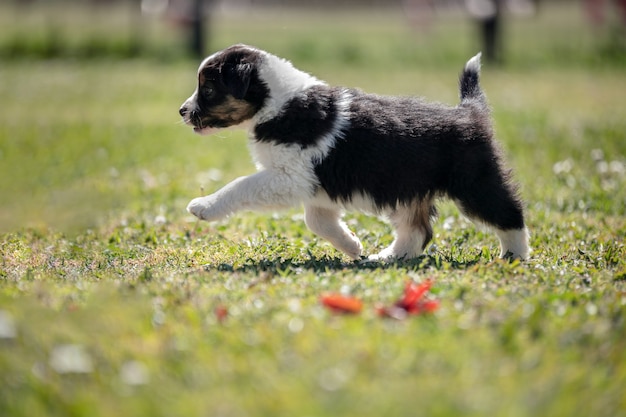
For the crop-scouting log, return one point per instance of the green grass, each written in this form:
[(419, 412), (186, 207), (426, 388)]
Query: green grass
[(98, 252)]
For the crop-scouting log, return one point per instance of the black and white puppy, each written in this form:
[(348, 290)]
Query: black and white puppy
[(335, 149)]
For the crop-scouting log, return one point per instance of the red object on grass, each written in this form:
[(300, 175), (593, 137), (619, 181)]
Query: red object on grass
[(342, 304), (412, 302), (413, 293), (221, 313), (427, 306)]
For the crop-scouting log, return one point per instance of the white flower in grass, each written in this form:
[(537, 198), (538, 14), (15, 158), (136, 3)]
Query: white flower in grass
[(212, 175), (448, 223), (597, 155), (134, 373), (617, 167), (602, 167), (335, 378), (71, 359), (7, 325), (563, 167)]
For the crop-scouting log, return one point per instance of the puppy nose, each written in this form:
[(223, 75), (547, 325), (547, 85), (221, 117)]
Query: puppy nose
[(182, 111)]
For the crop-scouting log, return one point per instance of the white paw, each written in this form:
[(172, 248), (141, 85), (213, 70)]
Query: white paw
[(386, 255), (514, 243), (199, 207), (355, 249)]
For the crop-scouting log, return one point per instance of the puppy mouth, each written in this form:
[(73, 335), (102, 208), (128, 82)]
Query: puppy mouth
[(204, 130), (201, 126)]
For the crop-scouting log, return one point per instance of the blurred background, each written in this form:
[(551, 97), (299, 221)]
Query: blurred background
[(174, 29), (89, 130)]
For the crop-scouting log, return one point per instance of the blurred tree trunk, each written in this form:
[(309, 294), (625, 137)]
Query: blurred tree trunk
[(488, 15), (491, 33), (136, 29), (197, 41)]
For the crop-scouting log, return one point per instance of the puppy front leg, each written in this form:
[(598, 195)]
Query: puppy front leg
[(261, 191)]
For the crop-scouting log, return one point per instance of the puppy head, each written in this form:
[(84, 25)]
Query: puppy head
[(229, 90)]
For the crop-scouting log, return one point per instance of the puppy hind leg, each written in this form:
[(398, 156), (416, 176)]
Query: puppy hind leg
[(514, 243), (498, 207), (412, 234), (327, 224)]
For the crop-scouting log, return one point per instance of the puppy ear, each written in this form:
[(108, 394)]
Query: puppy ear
[(237, 79)]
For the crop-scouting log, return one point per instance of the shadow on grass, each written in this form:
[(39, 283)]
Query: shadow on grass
[(327, 263)]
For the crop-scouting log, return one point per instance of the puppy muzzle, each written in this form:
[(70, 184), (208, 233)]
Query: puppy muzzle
[(192, 118)]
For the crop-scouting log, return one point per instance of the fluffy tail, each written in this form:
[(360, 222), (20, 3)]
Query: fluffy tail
[(469, 83)]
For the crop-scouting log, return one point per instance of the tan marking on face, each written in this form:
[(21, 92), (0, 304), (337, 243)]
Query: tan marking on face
[(229, 113)]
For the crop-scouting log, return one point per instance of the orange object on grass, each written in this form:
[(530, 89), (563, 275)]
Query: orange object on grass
[(342, 304)]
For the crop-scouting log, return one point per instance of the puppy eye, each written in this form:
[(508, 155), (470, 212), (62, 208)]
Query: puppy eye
[(207, 90)]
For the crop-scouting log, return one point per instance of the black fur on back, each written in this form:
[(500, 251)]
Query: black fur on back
[(397, 150)]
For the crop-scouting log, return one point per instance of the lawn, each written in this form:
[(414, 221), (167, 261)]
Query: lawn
[(115, 302)]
